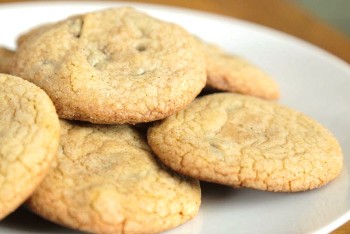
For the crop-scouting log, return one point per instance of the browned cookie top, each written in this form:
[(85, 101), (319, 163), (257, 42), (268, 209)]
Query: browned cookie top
[(113, 66)]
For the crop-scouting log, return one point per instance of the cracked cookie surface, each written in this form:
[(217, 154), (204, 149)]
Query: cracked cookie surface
[(106, 180), (244, 141), (6, 59), (232, 73), (113, 66), (29, 135)]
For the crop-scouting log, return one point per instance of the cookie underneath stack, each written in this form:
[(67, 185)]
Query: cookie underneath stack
[(106, 180), (234, 74), (120, 66), (6, 59)]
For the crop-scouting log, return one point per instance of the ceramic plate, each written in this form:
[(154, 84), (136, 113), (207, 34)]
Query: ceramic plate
[(311, 81)]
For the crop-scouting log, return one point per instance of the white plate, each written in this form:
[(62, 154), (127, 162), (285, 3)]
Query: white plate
[(311, 81)]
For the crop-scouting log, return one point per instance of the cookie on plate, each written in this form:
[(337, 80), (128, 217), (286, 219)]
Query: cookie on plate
[(232, 73), (6, 59), (113, 66), (106, 180), (29, 135), (244, 141)]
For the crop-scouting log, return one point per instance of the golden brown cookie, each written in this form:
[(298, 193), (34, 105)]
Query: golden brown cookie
[(113, 66), (232, 73), (29, 135), (106, 180), (244, 141), (6, 59)]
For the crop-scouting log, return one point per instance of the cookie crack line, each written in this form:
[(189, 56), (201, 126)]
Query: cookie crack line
[(80, 32)]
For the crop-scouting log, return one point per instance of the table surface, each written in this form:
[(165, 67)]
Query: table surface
[(282, 15)]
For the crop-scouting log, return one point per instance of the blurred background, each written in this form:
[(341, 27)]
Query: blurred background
[(335, 12)]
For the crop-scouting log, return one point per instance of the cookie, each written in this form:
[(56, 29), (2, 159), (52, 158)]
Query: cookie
[(232, 73), (29, 135), (244, 141), (106, 180), (6, 58), (113, 66)]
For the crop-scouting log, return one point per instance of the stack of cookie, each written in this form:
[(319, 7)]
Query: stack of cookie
[(104, 72)]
